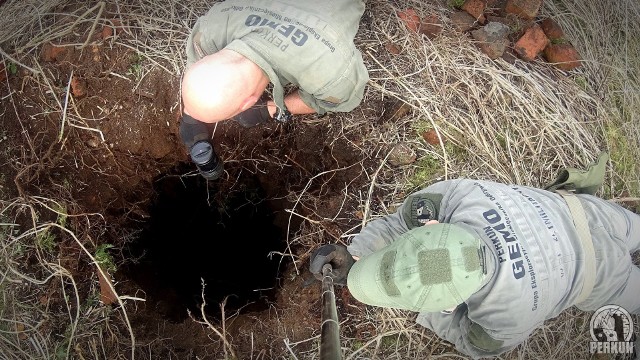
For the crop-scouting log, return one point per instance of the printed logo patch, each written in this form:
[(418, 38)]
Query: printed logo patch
[(420, 209)]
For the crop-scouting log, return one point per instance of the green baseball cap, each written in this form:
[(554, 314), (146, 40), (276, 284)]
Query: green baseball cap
[(430, 268)]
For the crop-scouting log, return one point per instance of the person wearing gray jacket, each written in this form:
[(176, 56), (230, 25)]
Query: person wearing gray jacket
[(239, 47), (486, 263)]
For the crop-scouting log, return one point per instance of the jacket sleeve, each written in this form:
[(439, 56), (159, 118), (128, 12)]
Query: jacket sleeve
[(416, 209), (469, 337), (377, 234), (344, 94)]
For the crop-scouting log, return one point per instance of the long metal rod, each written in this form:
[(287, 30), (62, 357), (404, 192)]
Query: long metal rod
[(330, 328)]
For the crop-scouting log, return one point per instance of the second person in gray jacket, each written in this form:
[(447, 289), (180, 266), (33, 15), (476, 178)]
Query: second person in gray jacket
[(485, 263)]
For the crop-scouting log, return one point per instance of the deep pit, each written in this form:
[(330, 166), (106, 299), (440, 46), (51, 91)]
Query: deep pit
[(195, 234)]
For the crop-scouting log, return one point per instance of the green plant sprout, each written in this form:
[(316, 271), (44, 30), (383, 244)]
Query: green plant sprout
[(135, 69), (46, 240), (13, 68), (104, 259), (456, 3)]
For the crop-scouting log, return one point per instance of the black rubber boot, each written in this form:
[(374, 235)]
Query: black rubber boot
[(255, 115), (205, 158)]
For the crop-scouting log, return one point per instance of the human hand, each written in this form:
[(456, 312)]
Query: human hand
[(335, 254)]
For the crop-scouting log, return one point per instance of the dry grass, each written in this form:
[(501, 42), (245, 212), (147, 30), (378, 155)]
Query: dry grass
[(43, 314), (606, 34), (515, 123)]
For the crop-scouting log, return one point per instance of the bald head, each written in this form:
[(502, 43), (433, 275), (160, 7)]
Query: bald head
[(221, 85)]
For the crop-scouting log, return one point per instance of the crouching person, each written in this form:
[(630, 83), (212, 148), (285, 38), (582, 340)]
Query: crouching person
[(486, 263)]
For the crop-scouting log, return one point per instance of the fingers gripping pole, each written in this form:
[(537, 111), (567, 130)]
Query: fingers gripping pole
[(330, 328)]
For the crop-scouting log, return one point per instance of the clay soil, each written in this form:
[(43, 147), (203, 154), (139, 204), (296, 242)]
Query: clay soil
[(120, 139)]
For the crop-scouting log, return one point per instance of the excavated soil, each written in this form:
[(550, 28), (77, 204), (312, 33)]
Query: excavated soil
[(169, 230)]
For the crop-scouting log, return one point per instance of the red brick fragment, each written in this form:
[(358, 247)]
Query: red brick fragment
[(526, 9), (78, 88), (531, 43), (52, 52), (431, 137), (552, 29), (392, 48), (107, 32), (431, 26), (475, 8), (410, 19), (462, 21), (563, 56)]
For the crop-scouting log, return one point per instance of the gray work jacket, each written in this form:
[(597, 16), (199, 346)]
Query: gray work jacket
[(534, 258), (305, 43)]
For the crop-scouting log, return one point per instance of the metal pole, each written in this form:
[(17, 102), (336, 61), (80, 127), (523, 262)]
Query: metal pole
[(330, 328)]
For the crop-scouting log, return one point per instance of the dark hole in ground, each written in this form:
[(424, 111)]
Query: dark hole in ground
[(224, 239)]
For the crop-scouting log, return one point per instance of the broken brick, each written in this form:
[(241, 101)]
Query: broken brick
[(107, 32), (78, 89), (410, 19), (392, 48), (552, 29), (431, 137), (431, 26), (531, 43), (495, 8), (52, 52), (462, 21), (111, 28), (475, 8), (526, 9), (563, 56)]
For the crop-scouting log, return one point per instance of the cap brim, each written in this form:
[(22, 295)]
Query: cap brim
[(365, 286), (377, 281)]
